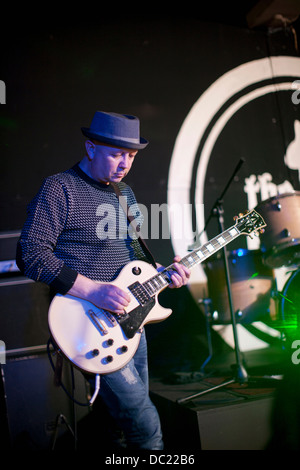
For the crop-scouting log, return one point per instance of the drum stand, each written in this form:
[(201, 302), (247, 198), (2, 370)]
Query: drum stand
[(241, 376)]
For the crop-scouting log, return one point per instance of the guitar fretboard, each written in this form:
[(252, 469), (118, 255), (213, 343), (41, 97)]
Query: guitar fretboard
[(163, 279)]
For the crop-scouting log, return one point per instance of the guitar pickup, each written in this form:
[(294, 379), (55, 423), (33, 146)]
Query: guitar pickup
[(110, 317), (140, 293)]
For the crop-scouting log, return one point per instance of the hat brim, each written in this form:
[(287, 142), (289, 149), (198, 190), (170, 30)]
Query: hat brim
[(127, 144)]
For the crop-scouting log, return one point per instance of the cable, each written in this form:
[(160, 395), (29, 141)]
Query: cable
[(97, 381), (97, 388)]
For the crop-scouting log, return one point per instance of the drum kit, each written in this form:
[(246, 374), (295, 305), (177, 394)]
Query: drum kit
[(253, 272)]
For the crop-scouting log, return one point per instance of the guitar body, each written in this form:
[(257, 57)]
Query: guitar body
[(92, 338)]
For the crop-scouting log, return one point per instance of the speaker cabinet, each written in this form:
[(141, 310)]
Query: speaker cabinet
[(24, 313), (34, 404)]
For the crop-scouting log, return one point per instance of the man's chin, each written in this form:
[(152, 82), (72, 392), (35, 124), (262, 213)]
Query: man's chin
[(118, 178)]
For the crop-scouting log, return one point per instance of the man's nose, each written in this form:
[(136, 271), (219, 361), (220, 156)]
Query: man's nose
[(125, 162)]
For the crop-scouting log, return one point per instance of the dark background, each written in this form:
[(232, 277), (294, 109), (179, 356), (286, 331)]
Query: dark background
[(60, 68)]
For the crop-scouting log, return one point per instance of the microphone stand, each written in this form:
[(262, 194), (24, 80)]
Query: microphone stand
[(241, 374)]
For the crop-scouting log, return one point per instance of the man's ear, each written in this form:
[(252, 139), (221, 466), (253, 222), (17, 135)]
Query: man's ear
[(90, 149)]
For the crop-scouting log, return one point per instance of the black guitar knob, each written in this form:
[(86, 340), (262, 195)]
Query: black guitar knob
[(109, 358), (136, 270), (95, 352)]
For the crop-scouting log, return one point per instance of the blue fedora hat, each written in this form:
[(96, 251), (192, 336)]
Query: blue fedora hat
[(119, 130)]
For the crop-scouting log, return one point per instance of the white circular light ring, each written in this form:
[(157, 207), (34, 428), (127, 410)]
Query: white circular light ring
[(197, 122)]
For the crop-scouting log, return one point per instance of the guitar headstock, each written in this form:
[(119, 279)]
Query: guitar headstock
[(250, 223)]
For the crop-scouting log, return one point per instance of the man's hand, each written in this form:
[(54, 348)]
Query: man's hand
[(103, 295), (180, 274), (111, 298), (114, 299)]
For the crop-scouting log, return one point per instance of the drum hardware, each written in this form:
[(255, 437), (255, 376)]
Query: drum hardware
[(211, 317), (251, 284), (286, 233), (288, 306), (280, 243), (241, 375), (208, 315)]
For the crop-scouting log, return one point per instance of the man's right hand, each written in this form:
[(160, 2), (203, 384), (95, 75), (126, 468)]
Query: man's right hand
[(103, 295)]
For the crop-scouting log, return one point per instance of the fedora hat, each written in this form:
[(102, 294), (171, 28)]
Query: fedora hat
[(119, 130)]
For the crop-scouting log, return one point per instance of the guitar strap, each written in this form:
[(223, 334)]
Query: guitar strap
[(132, 221)]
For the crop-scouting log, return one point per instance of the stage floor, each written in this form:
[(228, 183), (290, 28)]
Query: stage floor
[(235, 417)]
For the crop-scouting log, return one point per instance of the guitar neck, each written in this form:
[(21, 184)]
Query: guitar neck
[(158, 282), (212, 246)]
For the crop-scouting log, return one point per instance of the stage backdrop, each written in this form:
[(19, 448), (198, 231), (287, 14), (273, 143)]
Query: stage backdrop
[(209, 97)]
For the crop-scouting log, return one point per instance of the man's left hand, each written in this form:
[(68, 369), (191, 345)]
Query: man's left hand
[(180, 274)]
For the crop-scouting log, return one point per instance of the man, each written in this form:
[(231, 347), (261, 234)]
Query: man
[(60, 245)]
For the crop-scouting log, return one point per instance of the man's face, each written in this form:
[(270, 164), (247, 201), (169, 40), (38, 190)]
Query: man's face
[(110, 164)]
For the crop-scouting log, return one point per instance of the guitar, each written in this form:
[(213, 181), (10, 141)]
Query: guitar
[(98, 342)]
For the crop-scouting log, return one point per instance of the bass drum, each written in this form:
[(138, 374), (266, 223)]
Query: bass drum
[(280, 242), (289, 306), (252, 284)]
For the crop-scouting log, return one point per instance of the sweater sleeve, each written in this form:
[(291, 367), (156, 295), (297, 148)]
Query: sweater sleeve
[(46, 217)]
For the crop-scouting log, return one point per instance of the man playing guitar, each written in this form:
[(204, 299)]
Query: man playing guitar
[(61, 245)]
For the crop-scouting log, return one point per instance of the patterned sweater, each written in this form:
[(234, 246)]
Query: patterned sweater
[(76, 225)]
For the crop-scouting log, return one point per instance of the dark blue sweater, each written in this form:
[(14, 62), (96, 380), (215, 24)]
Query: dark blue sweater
[(76, 225)]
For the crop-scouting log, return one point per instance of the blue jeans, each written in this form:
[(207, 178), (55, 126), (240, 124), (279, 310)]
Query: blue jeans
[(126, 394)]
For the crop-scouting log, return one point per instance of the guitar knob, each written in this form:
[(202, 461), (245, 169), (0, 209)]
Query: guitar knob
[(123, 349), (136, 270), (95, 352), (278, 206), (109, 358)]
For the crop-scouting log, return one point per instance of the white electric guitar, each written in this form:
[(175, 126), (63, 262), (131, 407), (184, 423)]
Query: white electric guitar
[(98, 342)]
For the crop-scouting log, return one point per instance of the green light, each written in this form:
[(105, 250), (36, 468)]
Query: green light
[(285, 298), (253, 276)]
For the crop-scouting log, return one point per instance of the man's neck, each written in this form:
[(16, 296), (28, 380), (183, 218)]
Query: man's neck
[(85, 167)]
